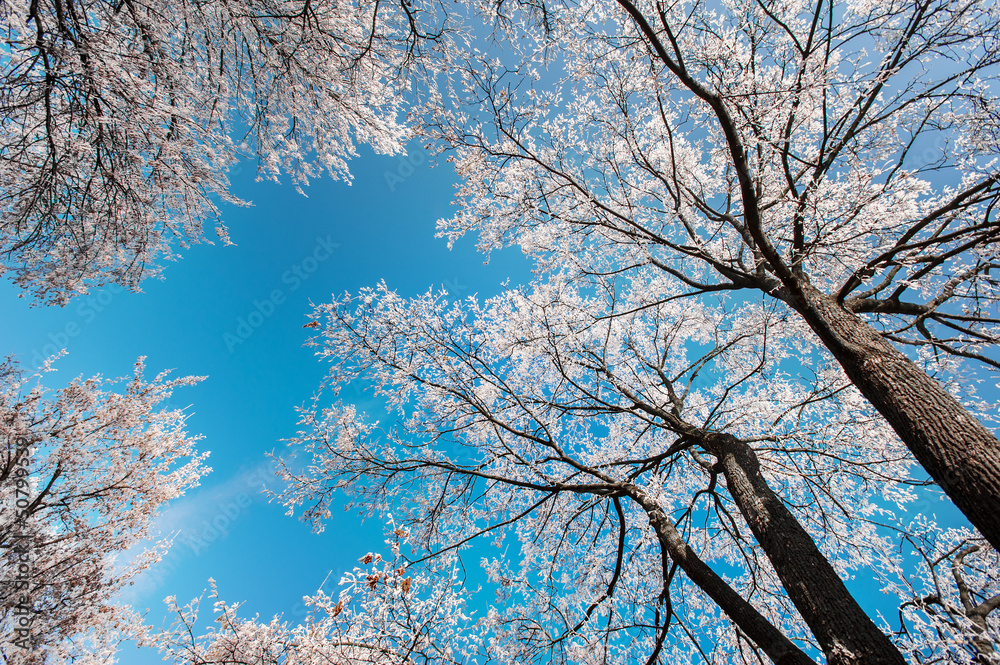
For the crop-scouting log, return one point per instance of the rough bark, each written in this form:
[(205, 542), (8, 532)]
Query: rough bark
[(974, 612), (845, 632), (769, 639), (958, 452)]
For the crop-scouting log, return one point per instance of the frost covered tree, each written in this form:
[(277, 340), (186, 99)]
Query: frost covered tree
[(382, 615), (664, 485), (83, 471), (839, 159), (951, 597), (120, 120), (764, 233)]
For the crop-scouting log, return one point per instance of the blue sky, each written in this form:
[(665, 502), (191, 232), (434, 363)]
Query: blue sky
[(290, 250)]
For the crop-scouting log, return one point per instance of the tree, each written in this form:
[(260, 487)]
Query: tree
[(120, 120), (586, 426), (838, 158), (943, 605), (83, 472), (750, 149), (687, 159), (382, 616), (619, 456)]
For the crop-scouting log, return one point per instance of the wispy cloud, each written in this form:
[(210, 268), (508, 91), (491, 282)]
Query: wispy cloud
[(194, 523)]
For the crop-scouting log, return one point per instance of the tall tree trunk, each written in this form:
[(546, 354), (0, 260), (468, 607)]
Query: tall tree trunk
[(958, 452), (769, 639), (847, 635)]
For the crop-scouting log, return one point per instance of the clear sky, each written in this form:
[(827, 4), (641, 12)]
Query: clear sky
[(290, 250)]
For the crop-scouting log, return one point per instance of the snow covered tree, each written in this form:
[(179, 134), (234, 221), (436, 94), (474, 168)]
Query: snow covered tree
[(620, 445), (687, 157), (120, 120), (838, 158), (83, 472), (952, 596), (663, 487), (382, 615), (764, 232)]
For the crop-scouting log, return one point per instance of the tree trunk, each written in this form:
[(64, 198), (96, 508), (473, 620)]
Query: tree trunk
[(772, 641), (958, 452), (846, 634)]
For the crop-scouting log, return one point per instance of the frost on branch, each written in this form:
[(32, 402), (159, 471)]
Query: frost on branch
[(387, 613), (83, 472), (561, 422), (863, 167), (120, 120), (950, 598)]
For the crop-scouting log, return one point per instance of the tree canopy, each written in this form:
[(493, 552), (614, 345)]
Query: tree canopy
[(84, 470), (764, 236), (120, 121)]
